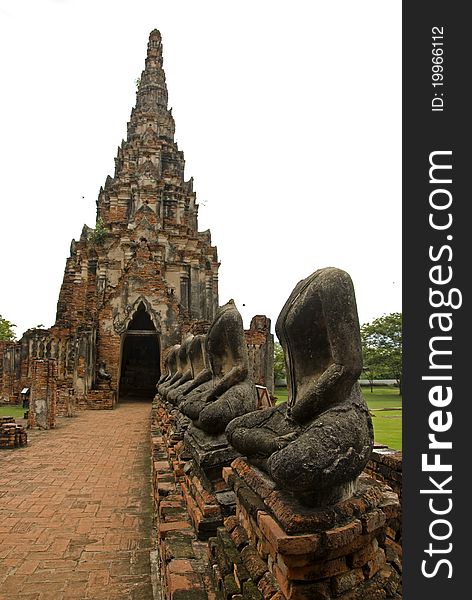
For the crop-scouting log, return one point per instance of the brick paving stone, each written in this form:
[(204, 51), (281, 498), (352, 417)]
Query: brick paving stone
[(75, 509)]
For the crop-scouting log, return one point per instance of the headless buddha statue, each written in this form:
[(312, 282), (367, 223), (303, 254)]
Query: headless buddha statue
[(319, 441), (230, 393), (184, 370), (171, 371), (200, 380)]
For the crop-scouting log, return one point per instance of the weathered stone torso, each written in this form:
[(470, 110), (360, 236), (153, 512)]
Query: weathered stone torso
[(231, 392)]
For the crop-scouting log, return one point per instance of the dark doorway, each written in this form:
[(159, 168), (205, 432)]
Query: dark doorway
[(140, 358)]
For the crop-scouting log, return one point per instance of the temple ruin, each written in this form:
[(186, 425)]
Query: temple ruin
[(251, 500), (135, 284)]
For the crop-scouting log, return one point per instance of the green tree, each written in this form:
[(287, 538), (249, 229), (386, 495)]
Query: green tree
[(382, 348), (6, 330), (279, 363)]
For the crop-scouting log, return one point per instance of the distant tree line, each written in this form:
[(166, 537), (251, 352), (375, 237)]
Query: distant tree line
[(381, 348)]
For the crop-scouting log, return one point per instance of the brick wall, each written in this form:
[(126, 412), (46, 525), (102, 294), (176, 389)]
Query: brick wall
[(42, 409)]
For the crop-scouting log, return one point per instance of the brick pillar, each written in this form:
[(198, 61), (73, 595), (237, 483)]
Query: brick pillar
[(42, 410), (260, 345)]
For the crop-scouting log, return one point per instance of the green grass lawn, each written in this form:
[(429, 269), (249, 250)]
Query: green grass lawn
[(16, 411), (281, 394), (387, 423)]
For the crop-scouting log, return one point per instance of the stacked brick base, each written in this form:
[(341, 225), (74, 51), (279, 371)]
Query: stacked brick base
[(271, 548), (348, 551)]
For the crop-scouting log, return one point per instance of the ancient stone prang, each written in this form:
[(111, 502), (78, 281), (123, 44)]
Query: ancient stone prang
[(231, 393), (317, 443), (135, 283)]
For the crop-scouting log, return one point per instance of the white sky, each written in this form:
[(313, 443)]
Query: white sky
[(288, 113)]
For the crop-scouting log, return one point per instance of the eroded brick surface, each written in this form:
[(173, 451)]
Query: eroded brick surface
[(75, 509)]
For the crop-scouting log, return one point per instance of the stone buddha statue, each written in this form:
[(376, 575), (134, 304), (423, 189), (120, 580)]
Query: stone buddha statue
[(231, 392), (319, 441), (184, 368), (200, 380), (102, 372), (171, 371)]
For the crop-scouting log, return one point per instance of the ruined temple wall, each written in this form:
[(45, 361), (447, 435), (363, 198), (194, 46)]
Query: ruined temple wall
[(64, 352), (118, 210), (3, 346), (10, 372), (66, 300), (108, 345), (16, 359), (110, 304), (115, 316), (76, 304)]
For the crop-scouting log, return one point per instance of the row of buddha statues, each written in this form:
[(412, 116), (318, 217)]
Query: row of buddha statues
[(322, 437)]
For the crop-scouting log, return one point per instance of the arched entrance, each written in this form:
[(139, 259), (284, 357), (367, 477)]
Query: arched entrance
[(140, 357)]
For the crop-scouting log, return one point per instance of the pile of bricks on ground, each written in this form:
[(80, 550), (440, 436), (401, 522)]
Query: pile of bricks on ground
[(12, 435)]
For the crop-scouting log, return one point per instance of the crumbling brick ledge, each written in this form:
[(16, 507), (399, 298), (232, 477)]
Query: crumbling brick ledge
[(385, 465), (181, 569)]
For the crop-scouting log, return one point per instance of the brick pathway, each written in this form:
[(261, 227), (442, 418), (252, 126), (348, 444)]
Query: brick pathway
[(75, 509)]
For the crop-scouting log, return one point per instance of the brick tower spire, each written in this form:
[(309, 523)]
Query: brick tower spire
[(152, 97), (145, 274), (149, 168), (139, 281)]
